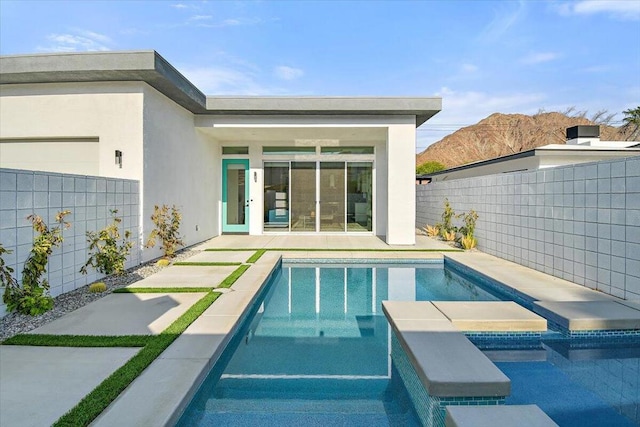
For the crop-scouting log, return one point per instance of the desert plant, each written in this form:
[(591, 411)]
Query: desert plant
[(107, 254), (32, 298), (167, 229), (432, 231), (448, 214), (469, 219), (97, 287), (163, 262), (468, 242), (449, 236)]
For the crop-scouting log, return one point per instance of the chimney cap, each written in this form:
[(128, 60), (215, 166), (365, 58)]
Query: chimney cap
[(583, 131)]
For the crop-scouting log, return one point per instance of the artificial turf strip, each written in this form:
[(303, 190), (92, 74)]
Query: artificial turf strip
[(160, 290), (78, 340), (231, 279), (256, 256), (206, 263), (97, 401)]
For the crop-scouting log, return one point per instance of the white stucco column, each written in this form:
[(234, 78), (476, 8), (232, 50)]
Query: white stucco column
[(401, 188)]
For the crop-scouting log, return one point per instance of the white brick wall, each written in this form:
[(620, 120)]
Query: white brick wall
[(89, 199), (579, 222)]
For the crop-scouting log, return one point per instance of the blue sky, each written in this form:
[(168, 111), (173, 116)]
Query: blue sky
[(481, 57)]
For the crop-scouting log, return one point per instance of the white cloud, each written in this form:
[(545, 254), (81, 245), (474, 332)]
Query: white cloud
[(287, 73), (539, 57), (619, 9), (504, 19), (200, 18), (179, 6), (229, 80), (77, 40)]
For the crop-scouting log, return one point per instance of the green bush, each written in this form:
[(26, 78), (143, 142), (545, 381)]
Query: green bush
[(167, 229), (107, 254), (32, 298), (429, 167), (446, 228), (6, 277)]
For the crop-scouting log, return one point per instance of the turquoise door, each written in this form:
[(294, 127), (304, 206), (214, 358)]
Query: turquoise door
[(235, 196)]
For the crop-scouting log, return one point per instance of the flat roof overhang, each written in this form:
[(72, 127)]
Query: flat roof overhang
[(150, 67)]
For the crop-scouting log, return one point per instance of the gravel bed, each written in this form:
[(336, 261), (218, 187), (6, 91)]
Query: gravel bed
[(16, 323)]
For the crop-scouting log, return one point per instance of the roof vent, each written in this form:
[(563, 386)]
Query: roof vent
[(583, 135)]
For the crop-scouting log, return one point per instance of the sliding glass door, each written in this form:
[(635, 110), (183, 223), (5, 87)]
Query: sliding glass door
[(318, 196), (303, 196)]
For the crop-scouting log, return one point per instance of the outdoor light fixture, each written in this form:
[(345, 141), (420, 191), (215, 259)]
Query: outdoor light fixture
[(119, 158), (255, 176)]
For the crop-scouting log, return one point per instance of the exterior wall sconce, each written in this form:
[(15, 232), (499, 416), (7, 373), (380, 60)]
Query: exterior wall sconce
[(119, 158), (255, 176)]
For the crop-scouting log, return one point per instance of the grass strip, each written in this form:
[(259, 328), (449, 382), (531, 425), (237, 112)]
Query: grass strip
[(97, 401), (231, 279), (336, 250), (78, 340), (160, 290), (256, 256), (206, 263)]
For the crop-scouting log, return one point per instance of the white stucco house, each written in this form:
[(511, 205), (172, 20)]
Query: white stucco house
[(252, 165)]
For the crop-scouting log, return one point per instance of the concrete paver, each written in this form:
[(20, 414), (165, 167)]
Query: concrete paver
[(186, 276), (480, 316), (589, 315), (40, 384), (123, 314), (221, 256)]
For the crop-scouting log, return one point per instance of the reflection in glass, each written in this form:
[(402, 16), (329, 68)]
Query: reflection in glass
[(359, 196), (332, 196), (276, 196), (235, 194), (303, 196)]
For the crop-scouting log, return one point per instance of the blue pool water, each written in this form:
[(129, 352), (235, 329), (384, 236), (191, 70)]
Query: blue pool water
[(315, 351)]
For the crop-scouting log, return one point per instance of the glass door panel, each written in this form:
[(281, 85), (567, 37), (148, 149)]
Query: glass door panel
[(359, 196), (235, 196), (276, 196), (303, 196), (332, 196)]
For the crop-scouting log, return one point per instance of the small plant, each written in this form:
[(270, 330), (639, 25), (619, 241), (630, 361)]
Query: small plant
[(447, 227), (163, 262), (6, 278), (107, 255), (97, 287), (432, 231), (469, 219), (32, 298), (167, 229), (449, 236), (468, 242)]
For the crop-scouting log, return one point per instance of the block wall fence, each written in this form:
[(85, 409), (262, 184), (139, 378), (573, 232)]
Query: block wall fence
[(90, 200), (580, 222)]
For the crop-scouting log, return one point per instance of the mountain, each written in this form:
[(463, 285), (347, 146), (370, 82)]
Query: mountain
[(503, 134)]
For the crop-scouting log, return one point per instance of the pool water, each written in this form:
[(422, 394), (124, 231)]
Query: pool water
[(317, 349)]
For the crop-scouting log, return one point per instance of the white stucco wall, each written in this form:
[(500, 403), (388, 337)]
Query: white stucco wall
[(110, 112), (401, 190), (181, 167)]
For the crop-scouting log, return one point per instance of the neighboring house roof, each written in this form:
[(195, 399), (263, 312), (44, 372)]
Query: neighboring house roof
[(150, 67), (551, 150)]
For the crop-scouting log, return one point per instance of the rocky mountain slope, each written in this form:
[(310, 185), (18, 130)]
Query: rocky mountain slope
[(503, 134)]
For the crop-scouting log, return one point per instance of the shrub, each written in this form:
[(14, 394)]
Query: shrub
[(449, 236), (107, 255), (469, 219), (97, 287), (167, 229), (468, 242), (32, 298), (429, 167), (448, 214), (432, 231), (163, 262)]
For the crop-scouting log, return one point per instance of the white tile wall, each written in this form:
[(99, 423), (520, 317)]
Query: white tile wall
[(90, 200), (579, 222)]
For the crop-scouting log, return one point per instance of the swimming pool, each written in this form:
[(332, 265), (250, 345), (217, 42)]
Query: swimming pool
[(316, 351)]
